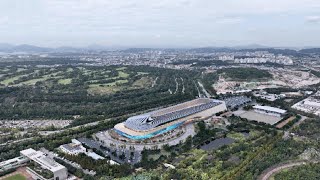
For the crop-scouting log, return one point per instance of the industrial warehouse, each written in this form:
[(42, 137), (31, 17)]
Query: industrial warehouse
[(158, 122)]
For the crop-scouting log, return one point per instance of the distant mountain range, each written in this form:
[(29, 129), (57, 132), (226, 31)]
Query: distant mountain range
[(26, 48)]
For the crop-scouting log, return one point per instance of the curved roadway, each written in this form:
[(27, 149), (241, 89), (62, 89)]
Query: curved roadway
[(268, 174)]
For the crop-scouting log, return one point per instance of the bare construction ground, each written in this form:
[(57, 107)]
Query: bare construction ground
[(295, 79), (281, 78)]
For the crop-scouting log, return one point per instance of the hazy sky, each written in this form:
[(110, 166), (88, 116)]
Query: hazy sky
[(160, 23)]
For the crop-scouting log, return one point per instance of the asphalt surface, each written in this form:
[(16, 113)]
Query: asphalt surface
[(97, 145), (273, 171)]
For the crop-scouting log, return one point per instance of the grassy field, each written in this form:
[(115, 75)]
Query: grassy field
[(236, 136), (11, 80), (65, 81), (32, 81), (16, 177), (118, 85), (21, 69), (103, 89), (43, 78), (144, 81), (107, 88), (142, 73), (29, 82), (121, 68), (123, 74), (93, 77), (69, 70)]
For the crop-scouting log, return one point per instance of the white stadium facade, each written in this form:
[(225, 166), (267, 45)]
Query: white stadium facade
[(157, 122)]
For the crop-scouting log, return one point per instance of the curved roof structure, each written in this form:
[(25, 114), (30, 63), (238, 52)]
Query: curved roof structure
[(154, 119)]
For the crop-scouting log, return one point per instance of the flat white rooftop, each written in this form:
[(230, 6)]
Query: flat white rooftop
[(269, 108), (40, 158)]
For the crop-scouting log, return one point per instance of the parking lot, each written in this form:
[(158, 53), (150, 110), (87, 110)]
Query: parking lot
[(97, 145), (236, 101), (34, 124)]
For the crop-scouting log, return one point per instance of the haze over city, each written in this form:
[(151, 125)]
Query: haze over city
[(153, 23), (159, 89)]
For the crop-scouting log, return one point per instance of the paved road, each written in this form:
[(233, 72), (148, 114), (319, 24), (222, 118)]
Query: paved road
[(183, 88), (267, 175), (45, 133), (204, 90), (16, 141)]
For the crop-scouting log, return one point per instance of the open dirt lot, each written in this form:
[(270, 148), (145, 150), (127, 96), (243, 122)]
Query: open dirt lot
[(281, 78), (254, 116)]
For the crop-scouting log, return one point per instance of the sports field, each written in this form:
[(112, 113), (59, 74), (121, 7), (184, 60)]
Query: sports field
[(15, 177)]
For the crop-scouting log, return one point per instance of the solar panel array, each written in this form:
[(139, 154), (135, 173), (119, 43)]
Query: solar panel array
[(153, 119)]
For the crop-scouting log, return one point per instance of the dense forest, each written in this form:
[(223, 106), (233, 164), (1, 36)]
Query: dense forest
[(65, 92), (245, 73)]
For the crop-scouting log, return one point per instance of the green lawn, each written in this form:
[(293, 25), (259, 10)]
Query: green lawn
[(103, 89), (70, 70), (117, 82), (43, 78), (236, 136), (123, 74), (11, 80), (21, 69), (85, 71), (32, 81), (65, 81), (142, 73), (121, 68), (5, 70), (16, 177), (143, 82), (107, 88)]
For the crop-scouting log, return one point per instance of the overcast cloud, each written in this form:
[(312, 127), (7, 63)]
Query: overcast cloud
[(160, 23)]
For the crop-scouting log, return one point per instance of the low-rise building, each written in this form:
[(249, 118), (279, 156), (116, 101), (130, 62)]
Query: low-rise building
[(43, 167), (272, 111), (267, 96), (13, 163), (308, 105), (73, 148)]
